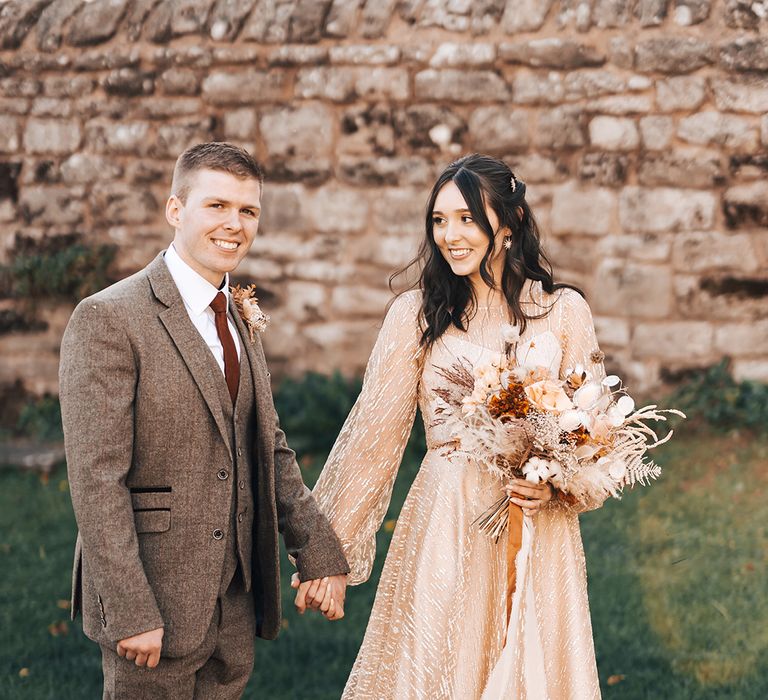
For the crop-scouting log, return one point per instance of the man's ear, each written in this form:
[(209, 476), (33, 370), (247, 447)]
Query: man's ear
[(173, 209)]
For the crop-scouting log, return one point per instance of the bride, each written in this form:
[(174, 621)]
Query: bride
[(441, 625)]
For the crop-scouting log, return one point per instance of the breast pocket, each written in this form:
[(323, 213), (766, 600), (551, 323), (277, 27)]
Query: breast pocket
[(151, 508)]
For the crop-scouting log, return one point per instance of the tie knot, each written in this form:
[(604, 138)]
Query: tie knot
[(219, 303)]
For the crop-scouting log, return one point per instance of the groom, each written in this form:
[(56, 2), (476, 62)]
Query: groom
[(180, 475)]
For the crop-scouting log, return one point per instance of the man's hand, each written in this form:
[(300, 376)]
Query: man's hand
[(326, 595), (143, 649)]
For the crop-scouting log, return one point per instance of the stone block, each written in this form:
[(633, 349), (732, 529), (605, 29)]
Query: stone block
[(240, 124), (399, 211), (119, 203), (534, 167), (96, 22), (565, 54), (745, 94), (575, 13), (172, 139), (451, 55), (608, 169), (416, 125), (391, 251), (621, 53), (588, 84), (301, 55), (525, 15), (689, 12), (644, 247), (305, 302), (725, 297), (673, 54), (345, 84), (612, 331), (52, 136), (298, 142), (384, 170), (560, 128), (338, 209), (744, 14), (13, 105), (745, 54), (661, 209), (225, 87), (110, 58), (307, 17), (106, 136), (9, 134), (360, 301), (589, 211), (51, 107), (530, 87), (670, 168), (179, 81), (752, 370), (321, 271), (69, 86), (260, 270), (227, 17), (366, 130), (51, 22), (375, 17), (283, 209), (746, 205), (87, 168), (614, 134), (51, 206), (16, 19), (727, 130), (269, 24), (612, 13), (195, 55), (499, 129), (365, 54), (712, 252), (657, 132), (128, 82), (454, 85), (673, 340), (341, 18), (621, 104)]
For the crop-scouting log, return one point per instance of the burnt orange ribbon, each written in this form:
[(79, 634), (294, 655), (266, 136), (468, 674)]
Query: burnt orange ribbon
[(514, 542)]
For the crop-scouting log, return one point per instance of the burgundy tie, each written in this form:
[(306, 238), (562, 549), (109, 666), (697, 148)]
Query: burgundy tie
[(231, 363)]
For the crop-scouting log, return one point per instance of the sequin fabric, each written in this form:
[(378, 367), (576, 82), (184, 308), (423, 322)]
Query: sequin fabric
[(438, 624)]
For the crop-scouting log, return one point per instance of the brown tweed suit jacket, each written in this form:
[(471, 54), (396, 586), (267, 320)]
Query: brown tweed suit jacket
[(145, 437)]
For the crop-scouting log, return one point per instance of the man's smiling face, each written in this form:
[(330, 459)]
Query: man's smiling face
[(216, 225)]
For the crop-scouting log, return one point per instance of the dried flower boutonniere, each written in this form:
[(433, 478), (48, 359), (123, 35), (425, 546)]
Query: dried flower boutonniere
[(248, 307)]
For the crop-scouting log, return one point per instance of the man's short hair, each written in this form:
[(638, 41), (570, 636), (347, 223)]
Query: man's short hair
[(214, 155)]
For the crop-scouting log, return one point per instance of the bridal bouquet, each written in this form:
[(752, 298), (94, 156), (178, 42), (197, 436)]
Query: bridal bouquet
[(581, 434)]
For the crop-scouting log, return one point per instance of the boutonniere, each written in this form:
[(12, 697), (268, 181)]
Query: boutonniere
[(248, 307)]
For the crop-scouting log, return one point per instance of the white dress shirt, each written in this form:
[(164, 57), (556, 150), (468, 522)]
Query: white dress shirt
[(198, 293)]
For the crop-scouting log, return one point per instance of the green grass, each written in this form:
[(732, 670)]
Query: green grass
[(677, 575)]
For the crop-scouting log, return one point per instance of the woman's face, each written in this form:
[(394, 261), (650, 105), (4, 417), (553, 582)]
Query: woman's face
[(461, 240)]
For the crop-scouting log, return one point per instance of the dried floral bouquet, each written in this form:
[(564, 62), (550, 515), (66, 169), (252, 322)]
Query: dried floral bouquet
[(580, 433)]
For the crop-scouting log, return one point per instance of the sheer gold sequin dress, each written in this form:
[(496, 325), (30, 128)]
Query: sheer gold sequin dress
[(438, 627)]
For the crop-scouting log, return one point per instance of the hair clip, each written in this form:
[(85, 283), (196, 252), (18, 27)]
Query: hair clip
[(513, 183)]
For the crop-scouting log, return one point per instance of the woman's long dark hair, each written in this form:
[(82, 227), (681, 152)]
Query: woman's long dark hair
[(449, 299)]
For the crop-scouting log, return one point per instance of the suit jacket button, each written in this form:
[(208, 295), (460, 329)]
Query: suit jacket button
[(217, 534), (242, 483), (240, 518), (223, 474)]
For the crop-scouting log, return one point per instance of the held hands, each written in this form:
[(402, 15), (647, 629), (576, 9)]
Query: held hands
[(326, 595), (530, 497), (143, 649)]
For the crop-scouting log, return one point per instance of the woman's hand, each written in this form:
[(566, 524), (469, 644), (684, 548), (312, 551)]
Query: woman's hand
[(530, 497)]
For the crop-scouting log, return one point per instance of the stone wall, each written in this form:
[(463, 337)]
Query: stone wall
[(639, 125)]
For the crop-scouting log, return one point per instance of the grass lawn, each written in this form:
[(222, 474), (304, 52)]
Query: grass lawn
[(678, 588)]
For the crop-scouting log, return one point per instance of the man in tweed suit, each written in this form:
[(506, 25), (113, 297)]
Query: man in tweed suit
[(179, 472)]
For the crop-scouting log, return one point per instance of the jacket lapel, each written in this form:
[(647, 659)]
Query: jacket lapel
[(187, 340)]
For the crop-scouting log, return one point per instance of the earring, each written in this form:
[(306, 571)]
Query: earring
[(508, 242)]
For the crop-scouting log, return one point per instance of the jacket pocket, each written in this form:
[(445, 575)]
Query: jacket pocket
[(152, 520)]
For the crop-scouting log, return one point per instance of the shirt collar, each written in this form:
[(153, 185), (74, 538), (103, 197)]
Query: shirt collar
[(196, 291)]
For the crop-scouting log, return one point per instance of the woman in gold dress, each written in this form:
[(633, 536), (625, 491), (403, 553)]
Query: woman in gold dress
[(439, 627)]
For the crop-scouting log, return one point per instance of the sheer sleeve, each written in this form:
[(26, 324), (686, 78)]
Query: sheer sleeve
[(355, 486), (579, 342)]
